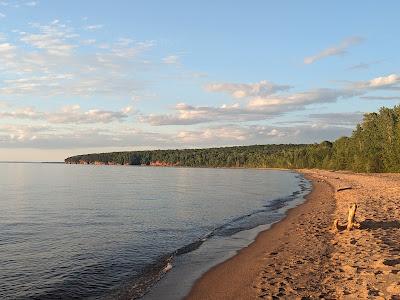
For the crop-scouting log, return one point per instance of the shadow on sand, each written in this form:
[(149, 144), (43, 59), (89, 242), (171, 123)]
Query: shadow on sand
[(370, 224)]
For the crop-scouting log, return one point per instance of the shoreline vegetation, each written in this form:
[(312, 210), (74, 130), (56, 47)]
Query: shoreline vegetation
[(301, 257), (374, 147)]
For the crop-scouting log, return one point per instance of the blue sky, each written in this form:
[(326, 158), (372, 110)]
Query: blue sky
[(91, 76)]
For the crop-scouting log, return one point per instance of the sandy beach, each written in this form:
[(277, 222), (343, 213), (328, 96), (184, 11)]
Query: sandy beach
[(301, 257)]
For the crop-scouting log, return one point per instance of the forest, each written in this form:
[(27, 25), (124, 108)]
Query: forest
[(374, 146)]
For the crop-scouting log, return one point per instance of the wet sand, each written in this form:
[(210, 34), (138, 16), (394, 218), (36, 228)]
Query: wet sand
[(300, 257)]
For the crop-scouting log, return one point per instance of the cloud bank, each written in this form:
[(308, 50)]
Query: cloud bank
[(69, 114)]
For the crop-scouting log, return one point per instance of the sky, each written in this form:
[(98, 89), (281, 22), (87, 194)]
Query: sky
[(96, 76)]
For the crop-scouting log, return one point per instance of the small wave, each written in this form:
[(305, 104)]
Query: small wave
[(140, 285), (267, 214), (190, 247), (167, 267)]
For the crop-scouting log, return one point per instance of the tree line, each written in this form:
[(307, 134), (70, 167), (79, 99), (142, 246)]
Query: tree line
[(374, 146)]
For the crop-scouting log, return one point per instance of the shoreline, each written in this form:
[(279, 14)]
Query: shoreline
[(300, 256), (187, 269), (177, 166), (234, 278)]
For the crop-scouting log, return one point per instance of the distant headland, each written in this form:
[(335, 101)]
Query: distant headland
[(374, 146)]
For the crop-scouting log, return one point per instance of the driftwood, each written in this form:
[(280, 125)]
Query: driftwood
[(344, 188), (351, 220), (335, 226)]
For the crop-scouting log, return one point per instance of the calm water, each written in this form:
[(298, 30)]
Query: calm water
[(71, 231)]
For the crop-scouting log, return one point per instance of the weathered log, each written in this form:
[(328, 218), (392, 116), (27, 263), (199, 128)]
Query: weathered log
[(351, 220), (351, 217), (344, 188), (335, 226)]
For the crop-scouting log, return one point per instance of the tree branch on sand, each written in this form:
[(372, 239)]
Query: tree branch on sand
[(351, 221)]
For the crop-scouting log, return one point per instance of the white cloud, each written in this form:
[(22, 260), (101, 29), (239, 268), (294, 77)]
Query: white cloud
[(390, 82), (6, 49), (2, 15), (56, 137), (11, 134), (32, 85), (125, 49), (233, 134), (31, 3), (69, 114), (214, 134), (171, 60), (380, 97), (52, 65), (89, 42), (340, 49), (337, 119), (18, 3), (299, 100), (73, 114), (188, 115), (242, 90), (255, 108), (384, 81), (55, 38), (23, 113), (265, 100)]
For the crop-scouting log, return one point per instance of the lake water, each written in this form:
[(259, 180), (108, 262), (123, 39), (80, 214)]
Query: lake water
[(98, 232)]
